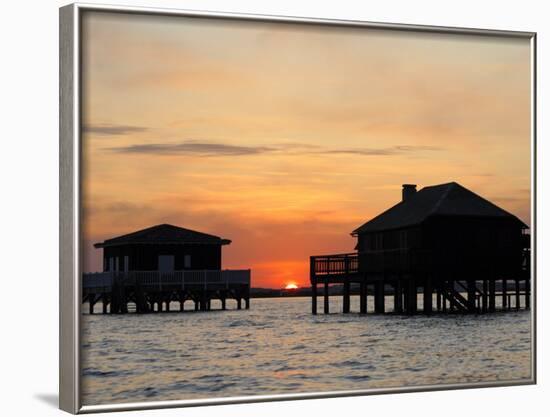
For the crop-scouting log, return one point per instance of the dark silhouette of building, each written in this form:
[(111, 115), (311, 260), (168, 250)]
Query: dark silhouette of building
[(446, 241), (161, 264), (162, 248)]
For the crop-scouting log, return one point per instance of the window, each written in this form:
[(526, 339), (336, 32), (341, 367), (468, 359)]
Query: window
[(187, 261), (166, 263)]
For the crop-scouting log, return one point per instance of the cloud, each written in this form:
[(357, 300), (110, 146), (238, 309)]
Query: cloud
[(196, 148), (193, 148), (112, 130), (393, 150)]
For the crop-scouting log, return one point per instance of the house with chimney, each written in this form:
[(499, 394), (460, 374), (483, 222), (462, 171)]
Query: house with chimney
[(462, 252)]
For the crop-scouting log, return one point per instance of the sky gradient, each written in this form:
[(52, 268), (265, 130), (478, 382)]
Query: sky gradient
[(284, 138)]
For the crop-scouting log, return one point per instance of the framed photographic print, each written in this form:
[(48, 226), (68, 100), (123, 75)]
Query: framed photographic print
[(261, 208)]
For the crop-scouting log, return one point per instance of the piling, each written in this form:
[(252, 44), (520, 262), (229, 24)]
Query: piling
[(397, 297), (363, 297), (492, 296), (411, 296), (428, 296), (346, 295), (314, 297), (325, 298), (471, 291)]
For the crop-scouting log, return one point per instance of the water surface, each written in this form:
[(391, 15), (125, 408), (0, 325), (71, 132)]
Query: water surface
[(279, 347)]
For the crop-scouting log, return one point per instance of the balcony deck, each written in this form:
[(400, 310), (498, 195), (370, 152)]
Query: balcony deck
[(335, 268)]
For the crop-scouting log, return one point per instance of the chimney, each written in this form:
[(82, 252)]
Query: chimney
[(408, 191)]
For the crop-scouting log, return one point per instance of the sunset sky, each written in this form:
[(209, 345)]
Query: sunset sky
[(284, 138)]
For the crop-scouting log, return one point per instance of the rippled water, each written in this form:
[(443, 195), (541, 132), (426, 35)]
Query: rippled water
[(278, 347)]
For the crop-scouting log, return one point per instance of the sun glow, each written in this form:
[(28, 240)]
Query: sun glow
[(291, 286)]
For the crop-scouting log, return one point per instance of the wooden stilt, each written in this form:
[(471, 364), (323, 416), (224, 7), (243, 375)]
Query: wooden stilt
[(405, 293), (438, 300), (398, 297), (505, 294), (223, 303), (492, 295), (379, 297), (450, 285), (104, 303), (428, 299), (363, 297), (517, 295), (123, 301), (239, 303), (346, 296), (313, 297), (91, 302), (313, 281), (325, 298), (411, 296), (471, 287), (484, 297)]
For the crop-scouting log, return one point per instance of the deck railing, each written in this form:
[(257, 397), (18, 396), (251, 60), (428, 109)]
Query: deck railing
[(416, 261), (103, 281), (339, 264)]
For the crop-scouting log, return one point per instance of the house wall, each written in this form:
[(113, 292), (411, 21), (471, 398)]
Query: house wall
[(475, 246), (145, 257), (391, 239), (445, 247)]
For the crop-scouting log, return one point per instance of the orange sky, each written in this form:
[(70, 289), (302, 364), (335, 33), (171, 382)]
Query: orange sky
[(284, 138)]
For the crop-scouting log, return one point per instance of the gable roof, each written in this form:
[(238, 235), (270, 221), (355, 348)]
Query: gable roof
[(164, 234), (450, 199)]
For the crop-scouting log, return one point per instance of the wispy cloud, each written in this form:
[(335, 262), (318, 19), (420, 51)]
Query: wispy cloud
[(113, 130), (193, 148), (196, 148), (393, 150)]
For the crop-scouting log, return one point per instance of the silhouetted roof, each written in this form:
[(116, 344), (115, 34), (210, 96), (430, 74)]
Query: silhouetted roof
[(164, 234), (449, 199)]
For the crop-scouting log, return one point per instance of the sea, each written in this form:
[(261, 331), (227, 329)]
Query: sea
[(279, 347)]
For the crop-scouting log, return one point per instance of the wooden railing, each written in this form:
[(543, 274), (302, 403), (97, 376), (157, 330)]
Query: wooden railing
[(372, 261), (98, 281), (415, 261), (103, 281), (339, 264)]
